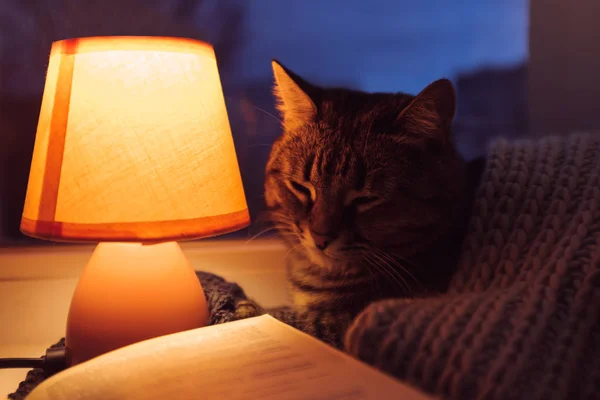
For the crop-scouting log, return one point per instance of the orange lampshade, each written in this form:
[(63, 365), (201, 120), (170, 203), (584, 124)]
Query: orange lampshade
[(133, 144)]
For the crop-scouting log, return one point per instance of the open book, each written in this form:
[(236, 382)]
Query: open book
[(255, 358)]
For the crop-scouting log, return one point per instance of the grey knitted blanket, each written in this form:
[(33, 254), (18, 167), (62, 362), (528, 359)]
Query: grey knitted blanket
[(521, 319)]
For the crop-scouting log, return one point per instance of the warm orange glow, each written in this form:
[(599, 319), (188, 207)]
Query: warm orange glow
[(133, 144), (131, 43), (130, 292)]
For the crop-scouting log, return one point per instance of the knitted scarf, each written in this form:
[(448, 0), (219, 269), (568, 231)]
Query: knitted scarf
[(521, 319)]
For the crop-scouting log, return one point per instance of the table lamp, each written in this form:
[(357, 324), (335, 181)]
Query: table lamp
[(133, 151)]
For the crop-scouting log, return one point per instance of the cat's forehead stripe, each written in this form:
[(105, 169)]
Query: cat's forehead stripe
[(330, 161), (345, 165), (308, 166), (360, 174)]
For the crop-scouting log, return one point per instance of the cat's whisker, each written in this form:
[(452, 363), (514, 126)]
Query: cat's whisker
[(410, 275), (272, 215), (288, 235), (393, 267), (287, 232), (277, 223), (280, 223), (229, 98), (270, 229), (276, 215), (397, 262), (367, 262), (393, 272), (373, 277), (385, 270), (267, 113), (382, 271), (290, 250), (405, 259)]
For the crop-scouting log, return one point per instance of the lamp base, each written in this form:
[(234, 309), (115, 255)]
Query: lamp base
[(129, 292)]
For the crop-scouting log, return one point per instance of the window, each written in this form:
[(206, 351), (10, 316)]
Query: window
[(395, 45)]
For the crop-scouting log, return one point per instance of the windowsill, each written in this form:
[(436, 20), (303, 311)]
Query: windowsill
[(66, 261), (37, 282)]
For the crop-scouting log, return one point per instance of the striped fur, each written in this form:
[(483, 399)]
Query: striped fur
[(364, 187)]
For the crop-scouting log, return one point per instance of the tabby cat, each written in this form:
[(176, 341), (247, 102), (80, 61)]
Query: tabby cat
[(370, 194)]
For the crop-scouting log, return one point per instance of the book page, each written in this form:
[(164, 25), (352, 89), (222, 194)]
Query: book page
[(255, 358)]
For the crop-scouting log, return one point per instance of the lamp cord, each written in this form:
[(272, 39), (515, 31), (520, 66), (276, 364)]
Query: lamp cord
[(54, 361), (21, 362)]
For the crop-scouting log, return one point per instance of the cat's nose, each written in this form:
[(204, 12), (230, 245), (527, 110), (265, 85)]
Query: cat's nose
[(322, 240)]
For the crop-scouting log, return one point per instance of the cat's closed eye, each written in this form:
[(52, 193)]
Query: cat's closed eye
[(364, 202), (301, 189)]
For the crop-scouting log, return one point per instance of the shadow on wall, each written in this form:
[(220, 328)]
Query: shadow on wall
[(18, 119)]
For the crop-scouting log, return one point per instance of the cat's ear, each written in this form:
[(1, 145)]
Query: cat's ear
[(293, 95), (431, 112)]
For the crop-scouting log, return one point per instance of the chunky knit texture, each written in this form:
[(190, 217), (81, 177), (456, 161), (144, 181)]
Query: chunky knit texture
[(521, 319)]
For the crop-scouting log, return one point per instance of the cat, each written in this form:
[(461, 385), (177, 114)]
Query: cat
[(370, 194)]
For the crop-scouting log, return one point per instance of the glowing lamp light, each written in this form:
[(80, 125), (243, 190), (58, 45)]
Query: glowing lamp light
[(133, 150)]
